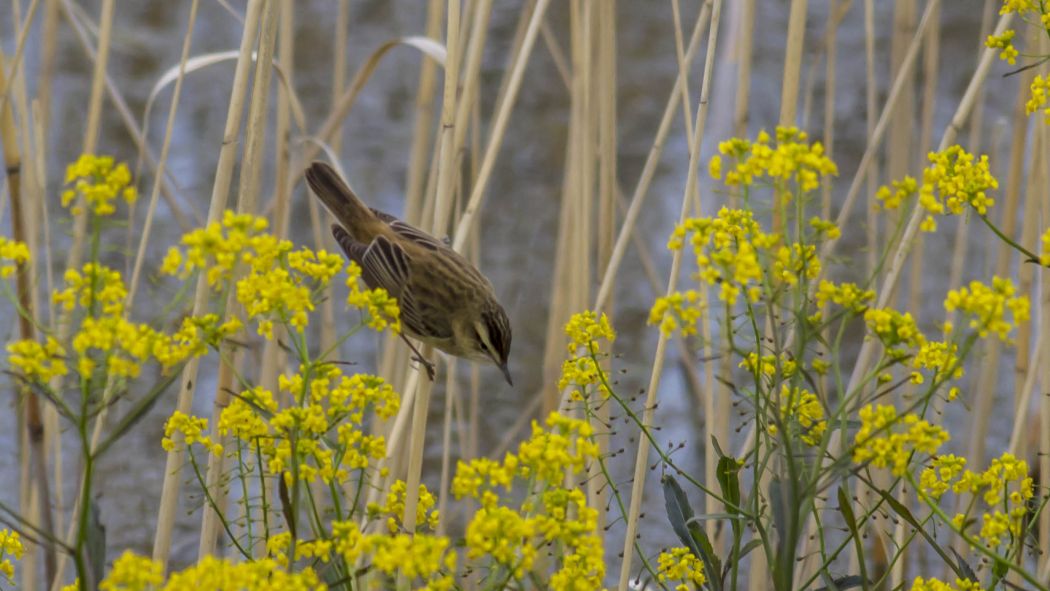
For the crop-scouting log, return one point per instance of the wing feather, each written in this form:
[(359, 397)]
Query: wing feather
[(386, 265)]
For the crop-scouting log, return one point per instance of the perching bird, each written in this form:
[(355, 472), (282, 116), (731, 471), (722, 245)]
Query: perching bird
[(445, 301)]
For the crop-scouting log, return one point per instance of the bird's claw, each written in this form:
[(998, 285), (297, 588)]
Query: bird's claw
[(428, 365)]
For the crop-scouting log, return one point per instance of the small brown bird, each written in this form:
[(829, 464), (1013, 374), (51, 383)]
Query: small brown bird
[(445, 301)]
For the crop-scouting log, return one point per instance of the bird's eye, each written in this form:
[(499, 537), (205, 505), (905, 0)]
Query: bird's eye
[(477, 339)]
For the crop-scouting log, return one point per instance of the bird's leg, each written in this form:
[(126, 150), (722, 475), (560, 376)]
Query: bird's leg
[(419, 357)]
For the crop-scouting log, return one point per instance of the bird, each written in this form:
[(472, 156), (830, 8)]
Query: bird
[(445, 301)]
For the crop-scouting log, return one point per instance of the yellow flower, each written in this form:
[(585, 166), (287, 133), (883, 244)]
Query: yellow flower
[(133, 573), (1005, 43), (38, 362), (192, 430), (878, 440), (846, 295), (988, 306), (804, 408), (380, 308), (586, 331), (892, 197), (10, 546), (681, 566), (99, 181), (1040, 87), (954, 180), (12, 254)]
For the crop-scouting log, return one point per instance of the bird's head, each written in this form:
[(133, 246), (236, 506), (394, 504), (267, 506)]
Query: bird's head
[(491, 334)]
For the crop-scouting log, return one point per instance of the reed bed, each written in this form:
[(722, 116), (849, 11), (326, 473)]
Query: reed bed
[(823, 373)]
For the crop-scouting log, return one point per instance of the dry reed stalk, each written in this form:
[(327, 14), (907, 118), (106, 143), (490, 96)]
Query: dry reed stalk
[(744, 51), (796, 36), (641, 459), (39, 234), (649, 168), (339, 45), (789, 89), (899, 143), (1039, 193), (572, 250), (608, 192), (273, 357), (419, 158), (499, 125), (34, 493), (988, 374), (220, 191), (250, 182), (1011, 205), (871, 114), (1026, 280), (931, 68), (447, 165), (48, 50)]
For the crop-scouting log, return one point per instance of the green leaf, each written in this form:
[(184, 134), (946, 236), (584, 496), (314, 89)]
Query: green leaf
[(727, 471), (95, 544), (689, 531), (841, 583)]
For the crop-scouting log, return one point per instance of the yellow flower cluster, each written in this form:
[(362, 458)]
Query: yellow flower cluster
[(136, 573), (295, 440), (99, 180), (393, 509), (551, 514), (790, 158), (38, 362), (133, 573), (12, 254), (1039, 99), (951, 182), (679, 565), (988, 306), (192, 430), (1004, 485), (878, 441), (933, 584), (277, 546), (586, 331), (680, 310), (894, 329), (423, 557), (380, 308), (1005, 42), (734, 253), (11, 547), (803, 408), (279, 283), (893, 197), (846, 295), (106, 335), (768, 365)]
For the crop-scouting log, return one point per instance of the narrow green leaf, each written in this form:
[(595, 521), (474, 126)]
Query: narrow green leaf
[(689, 531), (137, 412), (842, 583)]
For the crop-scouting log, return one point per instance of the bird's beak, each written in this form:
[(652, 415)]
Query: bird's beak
[(506, 372)]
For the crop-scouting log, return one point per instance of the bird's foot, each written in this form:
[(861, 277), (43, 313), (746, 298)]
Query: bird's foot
[(427, 365)]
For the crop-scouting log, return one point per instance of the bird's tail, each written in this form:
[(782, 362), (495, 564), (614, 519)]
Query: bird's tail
[(352, 213)]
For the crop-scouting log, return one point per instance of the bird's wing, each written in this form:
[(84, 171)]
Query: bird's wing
[(384, 264), (409, 232)]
